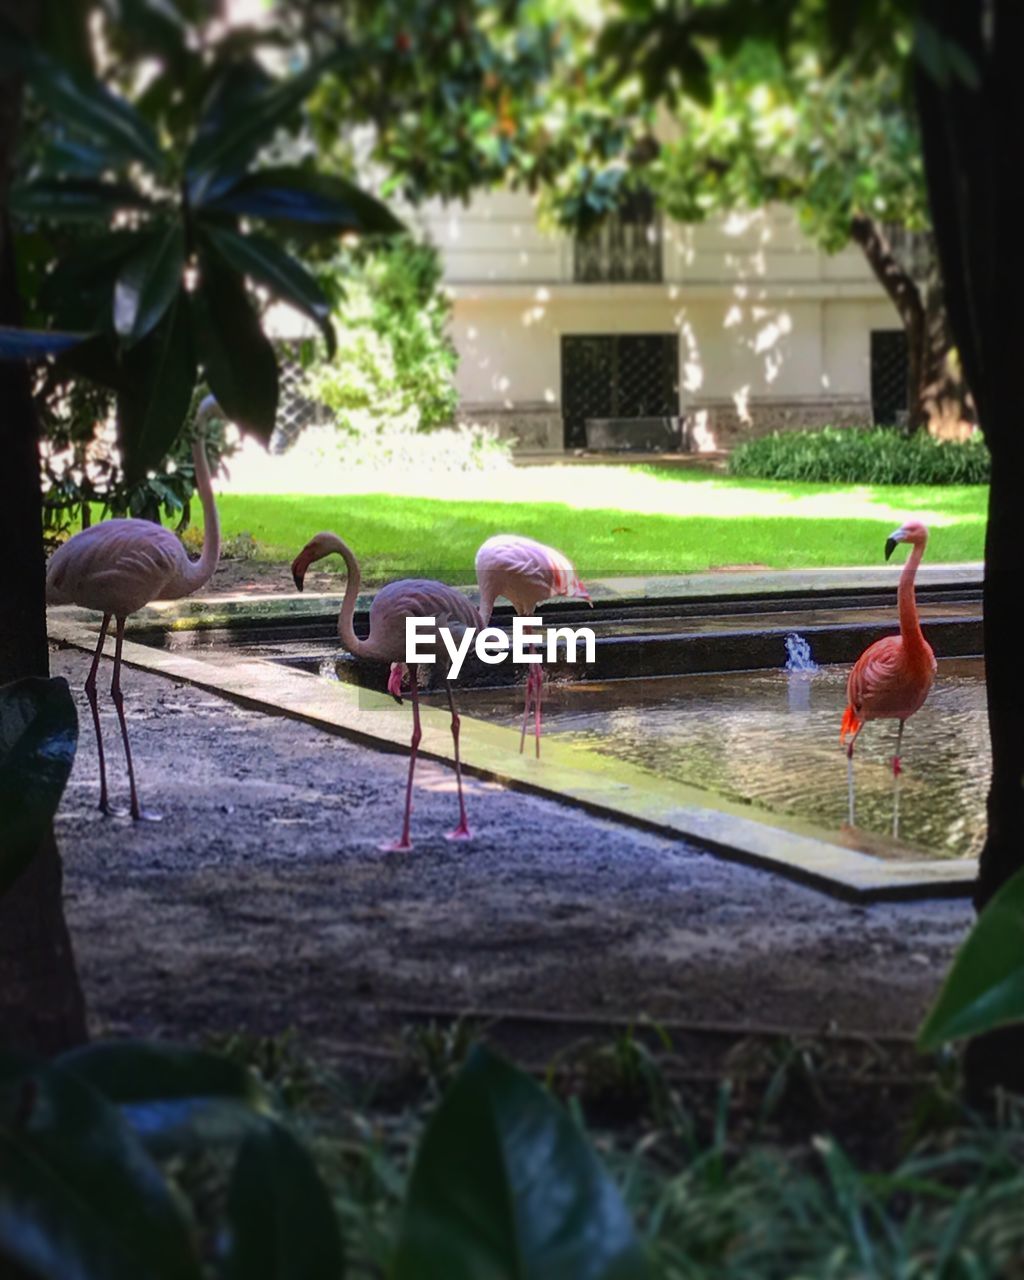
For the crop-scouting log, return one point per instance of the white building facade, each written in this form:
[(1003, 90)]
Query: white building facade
[(736, 326)]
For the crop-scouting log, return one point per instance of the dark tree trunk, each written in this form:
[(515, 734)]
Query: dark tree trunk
[(41, 1003), (905, 296), (946, 399), (937, 396), (972, 139)]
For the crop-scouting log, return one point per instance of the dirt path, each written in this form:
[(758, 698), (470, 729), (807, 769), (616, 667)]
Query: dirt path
[(262, 902)]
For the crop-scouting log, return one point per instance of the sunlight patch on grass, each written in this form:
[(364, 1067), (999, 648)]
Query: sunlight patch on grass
[(668, 492)]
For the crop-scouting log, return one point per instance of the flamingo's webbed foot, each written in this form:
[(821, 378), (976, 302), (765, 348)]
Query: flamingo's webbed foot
[(461, 832), (146, 815), (110, 811), (395, 846)]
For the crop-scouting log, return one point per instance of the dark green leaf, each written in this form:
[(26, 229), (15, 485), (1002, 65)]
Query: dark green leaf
[(505, 1186), (97, 359), (227, 142), (281, 1220), (985, 987), (929, 49), (79, 1197), (38, 737), (173, 1098), (238, 359), (315, 200), (158, 377), (261, 259), (79, 289), (89, 107), (148, 283), (32, 344), (64, 198), (73, 159)]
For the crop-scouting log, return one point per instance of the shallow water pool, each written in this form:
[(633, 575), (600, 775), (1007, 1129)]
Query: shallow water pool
[(771, 738)]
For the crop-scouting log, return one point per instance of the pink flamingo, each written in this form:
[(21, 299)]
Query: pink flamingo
[(408, 598), (118, 566), (891, 678), (525, 572)]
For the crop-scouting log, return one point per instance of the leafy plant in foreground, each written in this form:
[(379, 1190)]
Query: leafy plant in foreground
[(984, 989), (157, 285), (83, 1192), (38, 738), (92, 1144)]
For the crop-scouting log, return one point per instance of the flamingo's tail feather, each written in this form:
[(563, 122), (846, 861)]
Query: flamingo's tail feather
[(851, 724)]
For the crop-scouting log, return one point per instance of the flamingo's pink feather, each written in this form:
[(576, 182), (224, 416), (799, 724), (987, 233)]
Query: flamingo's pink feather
[(525, 572)]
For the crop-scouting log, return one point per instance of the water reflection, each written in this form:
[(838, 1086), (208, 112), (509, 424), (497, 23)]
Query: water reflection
[(772, 738)]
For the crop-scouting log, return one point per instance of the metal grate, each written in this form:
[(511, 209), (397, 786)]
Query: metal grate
[(295, 410), (625, 247), (621, 375), (889, 393)]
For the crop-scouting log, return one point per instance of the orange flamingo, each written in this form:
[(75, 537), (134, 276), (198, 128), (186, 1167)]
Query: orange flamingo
[(891, 678)]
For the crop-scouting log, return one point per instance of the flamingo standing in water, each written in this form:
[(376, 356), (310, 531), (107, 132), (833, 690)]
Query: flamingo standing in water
[(525, 572), (891, 678), (408, 598), (118, 566)]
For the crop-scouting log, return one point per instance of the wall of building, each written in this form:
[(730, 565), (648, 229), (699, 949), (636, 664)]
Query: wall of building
[(773, 332)]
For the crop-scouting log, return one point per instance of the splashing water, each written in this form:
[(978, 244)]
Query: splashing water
[(799, 654)]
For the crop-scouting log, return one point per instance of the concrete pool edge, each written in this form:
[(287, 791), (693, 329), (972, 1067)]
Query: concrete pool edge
[(568, 773)]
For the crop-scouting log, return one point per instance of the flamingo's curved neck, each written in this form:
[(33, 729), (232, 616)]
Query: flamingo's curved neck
[(910, 626), (346, 632), (199, 572)]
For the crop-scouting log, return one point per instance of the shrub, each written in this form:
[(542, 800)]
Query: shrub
[(395, 363), (862, 455)]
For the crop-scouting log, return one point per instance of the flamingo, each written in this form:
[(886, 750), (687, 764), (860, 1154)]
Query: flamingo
[(408, 598), (891, 678), (118, 566), (525, 572)]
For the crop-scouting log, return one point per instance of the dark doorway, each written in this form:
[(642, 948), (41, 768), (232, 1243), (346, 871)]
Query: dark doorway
[(617, 375), (889, 377)]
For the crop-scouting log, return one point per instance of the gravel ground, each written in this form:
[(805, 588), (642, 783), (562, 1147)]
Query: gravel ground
[(261, 901)]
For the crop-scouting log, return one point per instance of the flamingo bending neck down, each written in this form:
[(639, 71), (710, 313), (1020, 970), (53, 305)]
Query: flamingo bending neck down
[(408, 598), (525, 572), (118, 566), (892, 677)]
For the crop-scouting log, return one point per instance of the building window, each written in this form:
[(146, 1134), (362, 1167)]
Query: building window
[(617, 375), (624, 248), (889, 392)]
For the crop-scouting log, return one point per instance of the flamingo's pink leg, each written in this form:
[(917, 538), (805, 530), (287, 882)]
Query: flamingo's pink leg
[(538, 694), (897, 769), (404, 845), (118, 699), (849, 772), (90, 693), (526, 710), (462, 831)]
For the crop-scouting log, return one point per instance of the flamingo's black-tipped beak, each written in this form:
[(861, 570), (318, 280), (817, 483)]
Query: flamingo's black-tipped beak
[(299, 566), (890, 546)]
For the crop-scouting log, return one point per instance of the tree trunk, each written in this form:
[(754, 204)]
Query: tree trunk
[(971, 140), (906, 298), (41, 1003), (946, 401), (937, 396)]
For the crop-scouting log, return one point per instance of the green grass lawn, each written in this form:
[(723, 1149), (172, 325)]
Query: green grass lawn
[(616, 520)]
